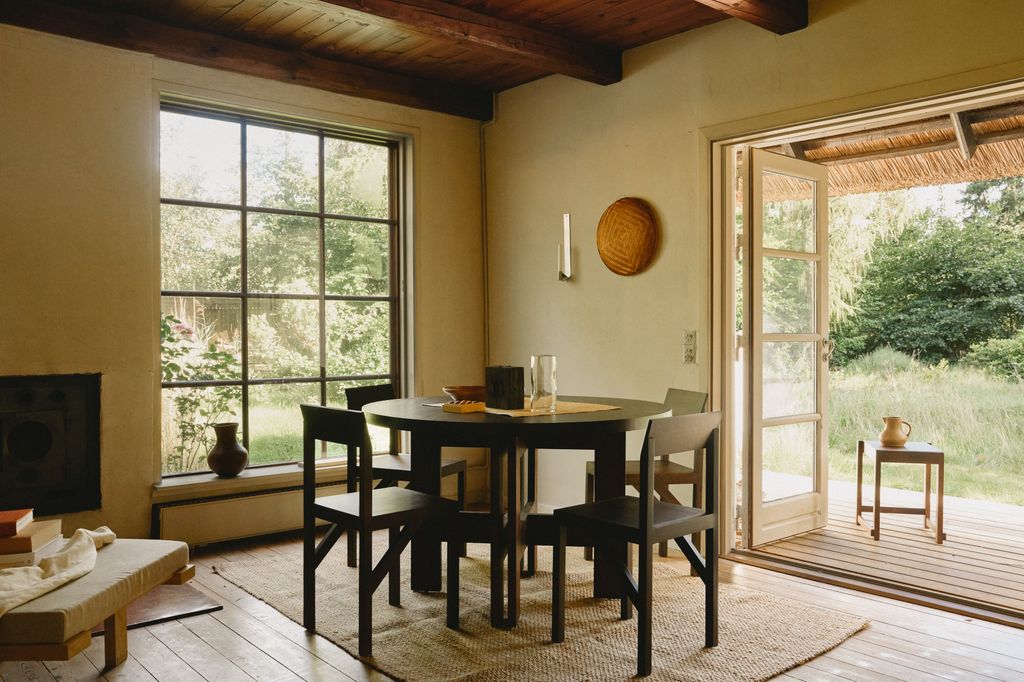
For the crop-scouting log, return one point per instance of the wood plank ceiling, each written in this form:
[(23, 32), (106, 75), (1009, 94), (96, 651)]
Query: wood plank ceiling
[(448, 56)]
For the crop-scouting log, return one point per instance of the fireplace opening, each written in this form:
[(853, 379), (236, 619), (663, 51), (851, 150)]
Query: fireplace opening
[(50, 443)]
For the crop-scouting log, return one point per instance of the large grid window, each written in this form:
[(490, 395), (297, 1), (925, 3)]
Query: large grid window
[(278, 275)]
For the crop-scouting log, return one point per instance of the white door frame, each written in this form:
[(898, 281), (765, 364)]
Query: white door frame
[(723, 243)]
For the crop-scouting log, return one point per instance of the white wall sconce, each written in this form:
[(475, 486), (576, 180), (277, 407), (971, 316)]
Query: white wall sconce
[(565, 252)]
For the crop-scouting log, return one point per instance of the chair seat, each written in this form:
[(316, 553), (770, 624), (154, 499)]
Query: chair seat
[(664, 472), (621, 515), (399, 467), (391, 506)]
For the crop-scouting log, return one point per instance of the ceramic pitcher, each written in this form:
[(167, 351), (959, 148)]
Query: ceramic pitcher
[(894, 435)]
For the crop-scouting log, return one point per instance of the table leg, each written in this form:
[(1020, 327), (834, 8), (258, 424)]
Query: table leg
[(426, 546), (876, 531), (514, 534), (860, 481), (609, 481), (497, 540), (927, 495), (940, 535)]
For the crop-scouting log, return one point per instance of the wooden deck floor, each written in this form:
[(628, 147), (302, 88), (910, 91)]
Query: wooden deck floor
[(981, 560), (249, 640)]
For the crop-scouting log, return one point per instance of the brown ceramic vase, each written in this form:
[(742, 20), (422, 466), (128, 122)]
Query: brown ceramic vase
[(227, 457)]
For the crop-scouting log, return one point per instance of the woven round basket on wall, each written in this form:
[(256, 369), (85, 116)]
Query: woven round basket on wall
[(627, 236)]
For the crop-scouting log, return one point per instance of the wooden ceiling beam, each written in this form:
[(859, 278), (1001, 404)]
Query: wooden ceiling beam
[(498, 37), (964, 134), (205, 49), (777, 16)]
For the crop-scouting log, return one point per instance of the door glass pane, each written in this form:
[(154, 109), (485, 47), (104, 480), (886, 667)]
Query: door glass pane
[(283, 254), (788, 460), (275, 422), (788, 216), (284, 339), (283, 168), (788, 296), (788, 377)]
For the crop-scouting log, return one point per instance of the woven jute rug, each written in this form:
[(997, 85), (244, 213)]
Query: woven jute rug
[(760, 636)]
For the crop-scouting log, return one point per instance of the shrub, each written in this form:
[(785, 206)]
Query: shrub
[(882, 361), (1000, 357)]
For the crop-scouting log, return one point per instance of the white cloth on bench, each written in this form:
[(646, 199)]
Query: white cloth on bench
[(76, 558)]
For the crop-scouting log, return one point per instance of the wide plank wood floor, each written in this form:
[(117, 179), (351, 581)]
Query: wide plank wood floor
[(248, 640), (982, 558)]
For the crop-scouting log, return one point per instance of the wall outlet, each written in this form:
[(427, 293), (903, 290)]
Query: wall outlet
[(689, 347)]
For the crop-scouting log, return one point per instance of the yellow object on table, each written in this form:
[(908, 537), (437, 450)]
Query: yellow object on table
[(463, 406)]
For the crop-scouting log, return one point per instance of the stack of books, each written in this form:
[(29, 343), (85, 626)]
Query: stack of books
[(24, 541)]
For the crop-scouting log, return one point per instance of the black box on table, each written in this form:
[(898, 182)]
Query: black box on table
[(505, 387)]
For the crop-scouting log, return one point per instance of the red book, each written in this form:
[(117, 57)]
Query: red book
[(13, 520)]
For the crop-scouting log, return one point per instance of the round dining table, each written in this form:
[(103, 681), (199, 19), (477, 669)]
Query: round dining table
[(508, 439)]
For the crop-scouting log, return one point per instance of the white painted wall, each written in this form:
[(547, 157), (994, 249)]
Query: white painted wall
[(79, 230), (562, 145)]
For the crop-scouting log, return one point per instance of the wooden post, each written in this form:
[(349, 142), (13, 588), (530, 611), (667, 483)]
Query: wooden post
[(115, 638)]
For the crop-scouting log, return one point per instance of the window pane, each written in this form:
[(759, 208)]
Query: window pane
[(788, 378), (789, 221), (275, 422), (188, 418), (200, 248), (788, 460), (788, 296), (284, 339), (358, 340), (357, 258), (283, 254), (356, 178), (379, 436), (200, 159), (283, 167), (200, 338)]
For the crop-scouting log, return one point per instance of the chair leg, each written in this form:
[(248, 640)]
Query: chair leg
[(365, 609), (395, 574), (309, 574), (588, 497), (711, 588), (453, 581), (645, 590), (462, 505), (558, 587), (352, 549)]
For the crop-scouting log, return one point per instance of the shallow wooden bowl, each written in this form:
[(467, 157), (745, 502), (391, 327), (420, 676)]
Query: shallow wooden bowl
[(456, 393)]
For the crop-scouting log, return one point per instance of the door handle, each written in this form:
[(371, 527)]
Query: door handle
[(828, 348)]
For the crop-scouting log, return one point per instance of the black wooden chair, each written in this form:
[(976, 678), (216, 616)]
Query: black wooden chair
[(394, 466), (666, 472), (401, 510), (645, 521)]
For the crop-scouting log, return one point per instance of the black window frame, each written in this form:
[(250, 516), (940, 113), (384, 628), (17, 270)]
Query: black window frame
[(395, 147)]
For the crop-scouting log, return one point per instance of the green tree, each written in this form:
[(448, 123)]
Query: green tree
[(938, 289)]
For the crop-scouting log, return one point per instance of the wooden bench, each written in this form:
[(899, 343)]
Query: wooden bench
[(56, 626)]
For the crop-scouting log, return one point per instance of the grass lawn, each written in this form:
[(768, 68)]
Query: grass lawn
[(977, 420)]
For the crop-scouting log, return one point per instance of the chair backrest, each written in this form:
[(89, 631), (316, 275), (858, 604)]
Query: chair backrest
[(357, 396), (344, 427), (684, 433), (685, 402)]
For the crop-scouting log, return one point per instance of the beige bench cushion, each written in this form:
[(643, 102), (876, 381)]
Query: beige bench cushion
[(125, 569)]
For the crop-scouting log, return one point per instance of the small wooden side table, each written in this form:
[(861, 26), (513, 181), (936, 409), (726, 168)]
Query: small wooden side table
[(911, 453)]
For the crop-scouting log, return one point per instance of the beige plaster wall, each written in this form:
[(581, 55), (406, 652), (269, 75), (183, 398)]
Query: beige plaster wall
[(560, 145), (79, 260)]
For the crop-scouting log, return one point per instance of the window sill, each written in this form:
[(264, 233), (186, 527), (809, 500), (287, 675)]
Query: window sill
[(208, 484)]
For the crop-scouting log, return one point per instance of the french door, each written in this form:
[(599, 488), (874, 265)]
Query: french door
[(786, 473)]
